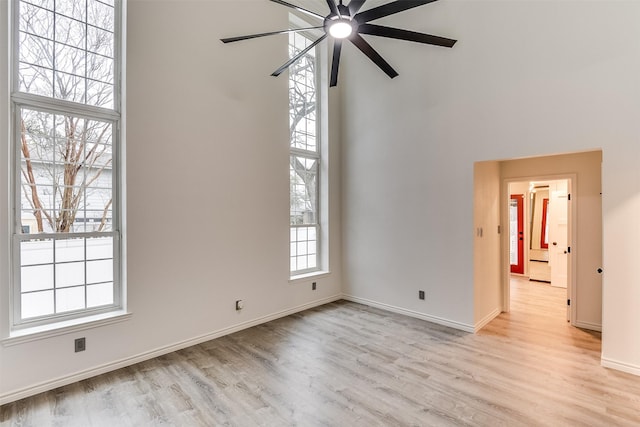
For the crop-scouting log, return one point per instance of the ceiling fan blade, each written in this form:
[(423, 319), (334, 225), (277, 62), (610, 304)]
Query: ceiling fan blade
[(279, 71), (389, 9), (354, 6), (272, 33), (333, 7), (335, 64), (299, 9), (366, 48), (412, 36)]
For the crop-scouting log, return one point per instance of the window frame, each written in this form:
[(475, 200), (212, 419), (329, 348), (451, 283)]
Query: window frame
[(320, 156), (50, 105)]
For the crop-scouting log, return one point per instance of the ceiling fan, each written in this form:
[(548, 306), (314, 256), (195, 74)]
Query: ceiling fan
[(346, 22)]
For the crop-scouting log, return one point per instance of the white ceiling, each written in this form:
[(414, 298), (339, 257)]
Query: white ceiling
[(321, 7)]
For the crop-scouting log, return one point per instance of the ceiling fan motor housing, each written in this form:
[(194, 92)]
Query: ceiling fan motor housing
[(340, 25)]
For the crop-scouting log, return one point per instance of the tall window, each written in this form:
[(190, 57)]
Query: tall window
[(304, 159), (66, 98)]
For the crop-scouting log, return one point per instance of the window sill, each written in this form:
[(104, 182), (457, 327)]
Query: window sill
[(61, 328), (302, 278)]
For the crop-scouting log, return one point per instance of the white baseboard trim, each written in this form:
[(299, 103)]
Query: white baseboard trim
[(433, 319), (112, 366), (620, 366), (485, 321), (588, 325)]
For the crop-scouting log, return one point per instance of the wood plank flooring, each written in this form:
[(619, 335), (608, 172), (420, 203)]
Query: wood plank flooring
[(345, 364)]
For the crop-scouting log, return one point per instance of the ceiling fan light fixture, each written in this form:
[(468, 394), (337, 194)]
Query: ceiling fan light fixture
[(348, 22), (341, 29)]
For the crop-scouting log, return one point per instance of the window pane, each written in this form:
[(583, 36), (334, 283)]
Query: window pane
[(66, 173), (101, 15), (70, 32), (303, 175), (35, 80), (37, 52), (69, 250), (36, 20), (99, 271), (101, 294), (36, 278), (301, 262), (100, 248), (69, 274), (311, 261), (100, 94), (70, 60), (100, 41), (75, 9), (69, 87), (37, 304), (99, 68), (69, 299), (36, 252)]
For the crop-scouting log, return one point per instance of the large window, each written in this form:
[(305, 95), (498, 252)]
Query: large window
[(304, 158), (66, 103)]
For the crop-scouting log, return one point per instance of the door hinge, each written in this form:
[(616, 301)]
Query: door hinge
[(568, 302), (569, 196), (569, 249)]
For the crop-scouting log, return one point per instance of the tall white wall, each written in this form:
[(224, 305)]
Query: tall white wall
[(206, 191), (527, 78)]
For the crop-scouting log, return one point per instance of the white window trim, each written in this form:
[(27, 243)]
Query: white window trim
[(35, 333), (61, 323)]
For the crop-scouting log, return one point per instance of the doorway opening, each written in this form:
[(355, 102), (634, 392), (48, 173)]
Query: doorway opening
[(539, 240), (493, 256)]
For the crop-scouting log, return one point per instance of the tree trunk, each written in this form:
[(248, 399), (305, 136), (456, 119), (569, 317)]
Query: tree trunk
[(35, 200)]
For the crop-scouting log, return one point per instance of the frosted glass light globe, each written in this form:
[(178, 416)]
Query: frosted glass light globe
[(340, 29)]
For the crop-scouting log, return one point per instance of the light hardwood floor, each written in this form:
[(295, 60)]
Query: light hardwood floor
[(345, 364)]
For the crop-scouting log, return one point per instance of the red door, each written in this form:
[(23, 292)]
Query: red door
[(516, 230)]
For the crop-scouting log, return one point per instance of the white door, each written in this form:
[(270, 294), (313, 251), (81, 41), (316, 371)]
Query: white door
[(558, 221)]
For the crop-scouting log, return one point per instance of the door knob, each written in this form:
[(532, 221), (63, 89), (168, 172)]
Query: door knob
[(599, 270), (555, 243)]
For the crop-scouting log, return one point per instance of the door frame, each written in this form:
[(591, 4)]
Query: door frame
[(521, 234), (504, 240)]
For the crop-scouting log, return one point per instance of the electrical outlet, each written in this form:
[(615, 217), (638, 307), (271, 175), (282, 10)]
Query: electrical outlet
[(313, 286), (80, 344), (421, 294), (239, 305)]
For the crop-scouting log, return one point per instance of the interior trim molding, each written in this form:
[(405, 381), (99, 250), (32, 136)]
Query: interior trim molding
[(485, 321), (411, 313), (128, 361), (620, 366), (588, 325)]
